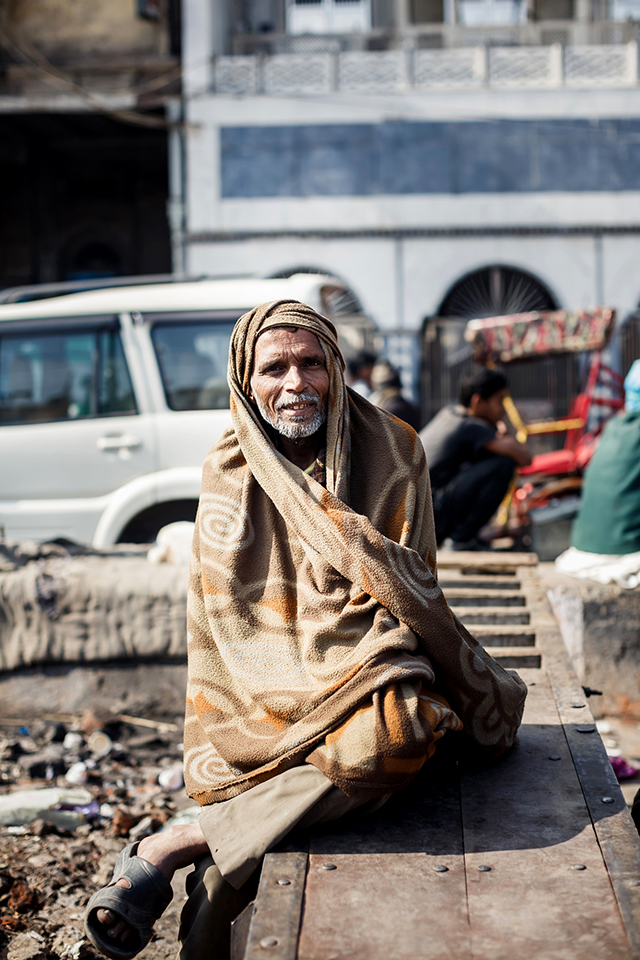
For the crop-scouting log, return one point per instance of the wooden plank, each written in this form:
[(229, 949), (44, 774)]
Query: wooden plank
[(277, 909), (487, 562), (240, 932), (504, 635), (526, 820), (516, 658), (614, 828), (473, 616), (484, 598), (386, 900), (477, 583)]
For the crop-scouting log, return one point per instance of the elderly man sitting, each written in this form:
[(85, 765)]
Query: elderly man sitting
[(324, 662)]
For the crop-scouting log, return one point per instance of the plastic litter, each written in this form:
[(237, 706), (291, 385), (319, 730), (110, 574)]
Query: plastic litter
[(100, 743), (25, 806), (77, 773), (142, 829), (171, 778), (622, 769), (188, 815), (87, 810), (73, 742)]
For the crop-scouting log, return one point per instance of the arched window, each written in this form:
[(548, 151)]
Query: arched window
[(543, 388), (495, 291)]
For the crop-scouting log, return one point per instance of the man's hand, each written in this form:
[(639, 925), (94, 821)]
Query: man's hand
[(505, 446)]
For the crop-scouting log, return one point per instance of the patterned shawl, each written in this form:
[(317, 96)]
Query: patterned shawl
[(317, 629)]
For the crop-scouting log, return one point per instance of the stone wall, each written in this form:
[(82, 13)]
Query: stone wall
[(601, 629)]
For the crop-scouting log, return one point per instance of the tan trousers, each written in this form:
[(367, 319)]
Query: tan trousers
[(239, 833)]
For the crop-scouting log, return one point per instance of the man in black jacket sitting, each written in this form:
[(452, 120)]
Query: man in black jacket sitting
[(471, 459)]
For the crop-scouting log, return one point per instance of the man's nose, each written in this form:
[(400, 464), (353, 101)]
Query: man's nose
[(295, 379)]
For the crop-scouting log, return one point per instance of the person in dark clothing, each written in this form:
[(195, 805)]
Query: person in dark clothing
[(359, 369), (387, 394), (471, 459)]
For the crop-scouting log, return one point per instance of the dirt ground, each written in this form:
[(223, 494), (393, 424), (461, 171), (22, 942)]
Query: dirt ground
[(48, 873)]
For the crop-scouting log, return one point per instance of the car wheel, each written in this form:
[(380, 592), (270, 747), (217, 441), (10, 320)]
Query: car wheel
[(144, 528)]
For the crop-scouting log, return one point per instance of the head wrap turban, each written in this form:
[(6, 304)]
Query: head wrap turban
[(317, 629), (243, 343)]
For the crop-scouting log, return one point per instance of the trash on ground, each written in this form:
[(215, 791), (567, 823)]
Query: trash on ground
[(59, 840)]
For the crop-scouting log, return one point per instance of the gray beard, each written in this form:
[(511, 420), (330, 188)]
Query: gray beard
[(289, 428)]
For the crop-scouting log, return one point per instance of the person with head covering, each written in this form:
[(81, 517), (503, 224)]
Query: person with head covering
[(387, 395), (608, 521), (323, 661)]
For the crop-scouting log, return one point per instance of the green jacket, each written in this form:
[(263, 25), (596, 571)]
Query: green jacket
[(609, 517)]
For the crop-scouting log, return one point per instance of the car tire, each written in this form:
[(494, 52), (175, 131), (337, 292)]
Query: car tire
[(145, 526)]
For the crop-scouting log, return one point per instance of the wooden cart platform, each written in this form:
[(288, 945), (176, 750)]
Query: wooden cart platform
[(534, 858)]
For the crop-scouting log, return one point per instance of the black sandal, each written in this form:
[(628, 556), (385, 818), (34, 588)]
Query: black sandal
[(139, 905)]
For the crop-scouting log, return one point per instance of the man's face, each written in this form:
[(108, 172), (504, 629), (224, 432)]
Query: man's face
[(290, 382), (491, 409)]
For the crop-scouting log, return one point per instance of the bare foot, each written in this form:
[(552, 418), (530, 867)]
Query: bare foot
[(168, 850)]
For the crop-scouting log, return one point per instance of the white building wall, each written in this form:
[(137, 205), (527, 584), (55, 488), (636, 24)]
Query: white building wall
[(400, 282), (367, 265), (400, 276)]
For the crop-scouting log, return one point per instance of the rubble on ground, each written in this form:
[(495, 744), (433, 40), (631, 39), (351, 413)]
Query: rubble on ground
[(73, 791)]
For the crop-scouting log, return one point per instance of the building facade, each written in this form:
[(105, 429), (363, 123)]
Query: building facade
[(83, 138), (456, 158)]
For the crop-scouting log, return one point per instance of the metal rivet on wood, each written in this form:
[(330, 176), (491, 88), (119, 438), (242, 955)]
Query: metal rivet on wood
[(578, 866), (577, 706), (586, 729), (268, 942), (440, 868), (483, 868), (328, 866), (555, 757), (608, 800)]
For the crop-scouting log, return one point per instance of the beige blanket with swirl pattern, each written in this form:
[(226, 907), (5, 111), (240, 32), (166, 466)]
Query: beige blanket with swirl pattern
[(317, 629)]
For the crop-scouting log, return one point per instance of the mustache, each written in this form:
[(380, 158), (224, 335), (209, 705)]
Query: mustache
[(283, 403)]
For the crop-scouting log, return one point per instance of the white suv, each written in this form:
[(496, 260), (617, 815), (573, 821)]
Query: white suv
[(110, 400)]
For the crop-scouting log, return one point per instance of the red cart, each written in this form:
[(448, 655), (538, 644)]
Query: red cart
[(502, 340)]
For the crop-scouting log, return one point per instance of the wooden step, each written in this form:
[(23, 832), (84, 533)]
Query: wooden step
[(484, 598), (516, 658), (489, 562), (477, 583), (473, 616), (504, 635)]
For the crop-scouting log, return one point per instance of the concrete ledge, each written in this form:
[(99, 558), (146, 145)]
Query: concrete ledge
[(600, 625), (98, 607)]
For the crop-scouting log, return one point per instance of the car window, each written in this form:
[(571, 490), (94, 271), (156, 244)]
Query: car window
[(65, 375), (193, 362), (115, 391)]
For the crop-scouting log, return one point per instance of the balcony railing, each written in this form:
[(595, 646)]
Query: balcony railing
[(441, 36), (390, 71)]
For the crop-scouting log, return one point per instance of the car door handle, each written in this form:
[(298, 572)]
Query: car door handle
[(125, 441)]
